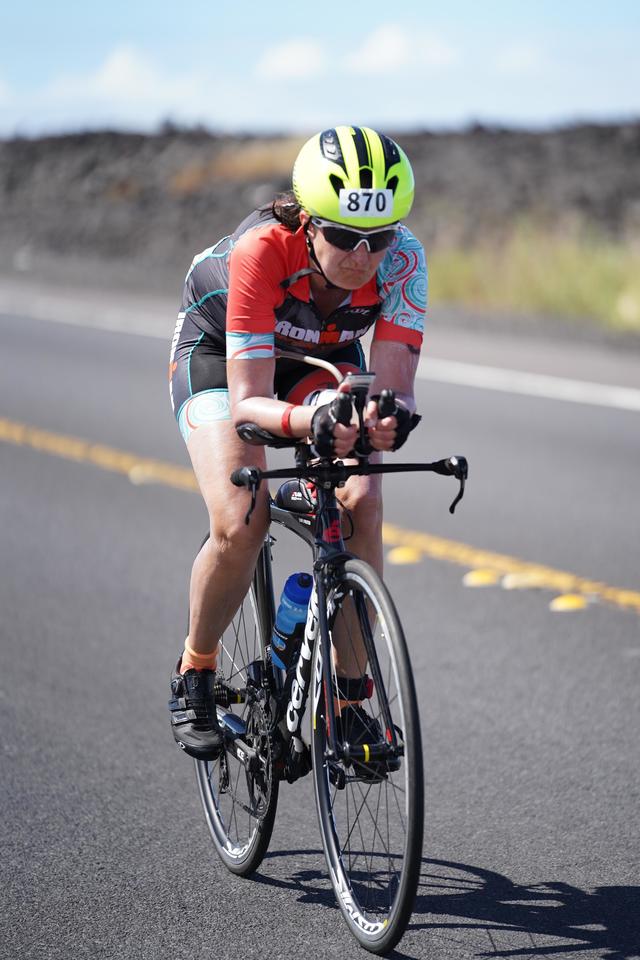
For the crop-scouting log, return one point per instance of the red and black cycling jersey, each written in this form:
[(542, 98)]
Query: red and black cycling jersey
[(243, 293)]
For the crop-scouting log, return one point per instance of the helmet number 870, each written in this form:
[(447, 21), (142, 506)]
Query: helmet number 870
[(356, 203)]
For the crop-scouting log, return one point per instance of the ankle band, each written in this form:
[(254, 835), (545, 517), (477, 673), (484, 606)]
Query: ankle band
[(198, 661)]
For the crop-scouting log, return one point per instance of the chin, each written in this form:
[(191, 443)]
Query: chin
[(351, 280)]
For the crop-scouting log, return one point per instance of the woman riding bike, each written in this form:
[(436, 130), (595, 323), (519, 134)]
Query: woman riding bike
[(309, 274)]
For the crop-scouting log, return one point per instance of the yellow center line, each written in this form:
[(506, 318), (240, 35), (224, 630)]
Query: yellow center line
[(138, 469), (534, 574), (144, 470)]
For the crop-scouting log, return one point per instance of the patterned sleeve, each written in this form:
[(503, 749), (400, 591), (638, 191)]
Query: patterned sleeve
[(402, 282)]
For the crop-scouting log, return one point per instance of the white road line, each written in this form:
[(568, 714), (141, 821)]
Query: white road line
[(148, 323), (529, 384)]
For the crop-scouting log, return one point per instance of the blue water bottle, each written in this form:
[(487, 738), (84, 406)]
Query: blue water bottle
[(291, 617)]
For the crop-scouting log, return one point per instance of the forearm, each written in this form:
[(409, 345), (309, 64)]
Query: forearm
[(268, 414), (395, 368)]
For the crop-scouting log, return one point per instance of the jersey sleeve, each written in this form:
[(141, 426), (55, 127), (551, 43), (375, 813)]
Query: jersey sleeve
[(205, 288), (402, 283), (255, 270)]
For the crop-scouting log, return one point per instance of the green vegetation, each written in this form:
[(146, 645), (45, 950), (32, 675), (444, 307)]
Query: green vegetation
[(535, 271)]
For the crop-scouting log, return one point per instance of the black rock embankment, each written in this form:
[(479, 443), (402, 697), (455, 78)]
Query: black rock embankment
[(144, 204)]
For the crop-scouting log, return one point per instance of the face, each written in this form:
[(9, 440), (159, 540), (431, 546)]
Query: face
[(348, 269)]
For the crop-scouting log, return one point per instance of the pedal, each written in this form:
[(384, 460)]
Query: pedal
[(337, 776), (297, 763)]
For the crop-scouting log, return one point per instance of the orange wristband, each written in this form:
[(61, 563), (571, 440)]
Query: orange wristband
[(285, 423)]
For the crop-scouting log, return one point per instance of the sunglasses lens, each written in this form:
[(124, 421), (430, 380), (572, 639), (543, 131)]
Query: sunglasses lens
[(380, 241), (349, 239)]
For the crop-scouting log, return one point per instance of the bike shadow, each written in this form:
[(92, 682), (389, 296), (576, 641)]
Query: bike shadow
[(456, 897)]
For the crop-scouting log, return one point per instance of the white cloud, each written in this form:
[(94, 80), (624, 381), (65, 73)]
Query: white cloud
[(391, 47), (382, 51), (293, 59), (434, 51), (519, 59), (126, 77)]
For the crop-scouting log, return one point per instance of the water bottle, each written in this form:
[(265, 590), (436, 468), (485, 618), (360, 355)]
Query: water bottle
[(291, 617)]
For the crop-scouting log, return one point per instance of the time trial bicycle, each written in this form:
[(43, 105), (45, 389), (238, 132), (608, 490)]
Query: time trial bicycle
[(369, 793)]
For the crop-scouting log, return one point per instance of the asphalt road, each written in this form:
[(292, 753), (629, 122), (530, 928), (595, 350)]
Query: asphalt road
[(531, 717)]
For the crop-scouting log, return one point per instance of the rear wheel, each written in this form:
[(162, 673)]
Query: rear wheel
[(370, 797), (240, 804)]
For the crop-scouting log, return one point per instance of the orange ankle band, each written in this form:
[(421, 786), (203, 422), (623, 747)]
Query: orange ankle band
[(197, 661)]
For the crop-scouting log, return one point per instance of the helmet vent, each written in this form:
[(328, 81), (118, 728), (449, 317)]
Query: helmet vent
[(331, 149), (336, 183), (392, 184), (366, 178), (391, 154)]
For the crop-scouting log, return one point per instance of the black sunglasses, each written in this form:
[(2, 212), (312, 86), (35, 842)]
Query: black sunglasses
[(345, 238)]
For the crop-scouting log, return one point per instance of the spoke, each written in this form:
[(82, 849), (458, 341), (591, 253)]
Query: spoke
[(349, 836), (248, 657), (373, 845), (375, 825), (363, 844), (357, 814), (397, 790), (236, 802), (389, 870)]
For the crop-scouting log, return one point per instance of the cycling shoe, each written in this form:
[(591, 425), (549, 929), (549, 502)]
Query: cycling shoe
[(194, 720), (356, 727)]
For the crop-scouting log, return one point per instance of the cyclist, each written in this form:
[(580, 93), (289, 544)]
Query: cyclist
[(310, 273)]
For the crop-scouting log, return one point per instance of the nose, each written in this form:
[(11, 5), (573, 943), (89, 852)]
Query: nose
[(360, 253)]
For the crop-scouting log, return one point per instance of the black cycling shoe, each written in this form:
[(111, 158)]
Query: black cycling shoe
[(194, 720), (357, 728)]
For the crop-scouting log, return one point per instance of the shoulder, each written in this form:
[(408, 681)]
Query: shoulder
[(266, 242), (404, 258)]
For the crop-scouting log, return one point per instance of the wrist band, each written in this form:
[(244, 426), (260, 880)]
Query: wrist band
[(285, 423)]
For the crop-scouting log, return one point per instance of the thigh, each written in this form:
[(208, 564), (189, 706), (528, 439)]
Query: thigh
[(216, 451), (200, 399), (197, 379)]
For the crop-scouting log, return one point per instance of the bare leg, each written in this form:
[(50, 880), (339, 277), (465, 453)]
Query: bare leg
[(363, 497), (223, 569)]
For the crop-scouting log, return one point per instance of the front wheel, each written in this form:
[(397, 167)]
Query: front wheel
[(369, 793)]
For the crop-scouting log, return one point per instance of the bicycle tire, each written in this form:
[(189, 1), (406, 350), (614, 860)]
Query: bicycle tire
[(241, 829), (374, 872)]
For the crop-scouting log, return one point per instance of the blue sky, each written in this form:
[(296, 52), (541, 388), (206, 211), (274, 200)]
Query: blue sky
[(283, 66)]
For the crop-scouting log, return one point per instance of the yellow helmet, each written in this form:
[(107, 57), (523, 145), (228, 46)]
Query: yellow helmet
[(354, 176)]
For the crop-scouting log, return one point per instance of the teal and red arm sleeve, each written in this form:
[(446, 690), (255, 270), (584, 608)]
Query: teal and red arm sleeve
[(402, 282)]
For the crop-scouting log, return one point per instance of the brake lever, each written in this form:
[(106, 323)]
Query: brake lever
[(248, 477), (460, 470), (254, 495)]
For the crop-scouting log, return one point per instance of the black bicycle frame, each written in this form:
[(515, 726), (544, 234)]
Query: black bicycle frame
[(322, 531)]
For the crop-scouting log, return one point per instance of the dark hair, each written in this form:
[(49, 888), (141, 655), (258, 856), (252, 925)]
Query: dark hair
[(286, 209)]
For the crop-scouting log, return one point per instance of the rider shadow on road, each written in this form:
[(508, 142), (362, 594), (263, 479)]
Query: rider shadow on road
[(517, 920), (529, 919)]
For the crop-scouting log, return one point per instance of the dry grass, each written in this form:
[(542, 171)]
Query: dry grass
[(535, 271), (253, 160)]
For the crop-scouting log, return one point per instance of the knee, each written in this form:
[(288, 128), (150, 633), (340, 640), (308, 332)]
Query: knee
[(365, 504), (228, 531)]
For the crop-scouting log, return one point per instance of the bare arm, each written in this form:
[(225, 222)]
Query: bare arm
[(251, 394), (394, 365)]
